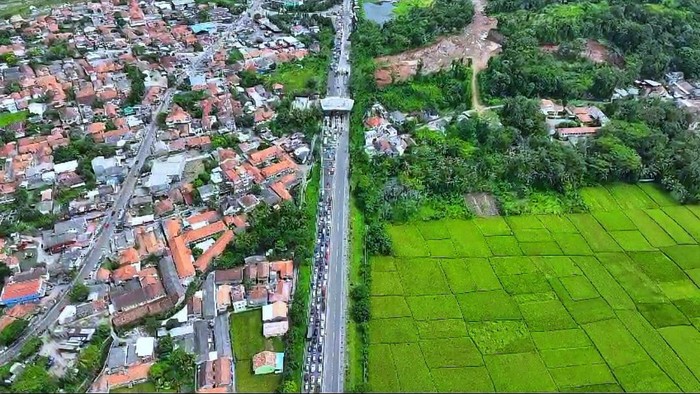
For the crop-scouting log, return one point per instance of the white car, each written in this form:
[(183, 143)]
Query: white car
[(313, 369), (320, 368)]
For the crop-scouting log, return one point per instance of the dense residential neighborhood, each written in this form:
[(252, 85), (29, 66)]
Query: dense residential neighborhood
[(82, 86)]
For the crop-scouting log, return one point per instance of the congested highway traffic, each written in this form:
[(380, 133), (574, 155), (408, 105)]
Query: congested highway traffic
[(313, 369), (327, 317)]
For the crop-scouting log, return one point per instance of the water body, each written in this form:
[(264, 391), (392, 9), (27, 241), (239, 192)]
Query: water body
[(379, 12)]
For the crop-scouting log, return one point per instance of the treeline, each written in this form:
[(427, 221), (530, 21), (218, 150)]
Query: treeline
[(645, 40), (418, 27)]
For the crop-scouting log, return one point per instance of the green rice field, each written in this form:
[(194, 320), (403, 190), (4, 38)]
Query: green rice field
[(601, 301)]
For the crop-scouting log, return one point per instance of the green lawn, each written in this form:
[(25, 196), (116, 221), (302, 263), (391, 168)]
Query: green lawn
[(7, 118), (601, 301), (247, 340), (403, 6)]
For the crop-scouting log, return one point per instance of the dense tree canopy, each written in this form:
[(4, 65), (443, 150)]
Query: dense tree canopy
[(418, 27), (644, 39)]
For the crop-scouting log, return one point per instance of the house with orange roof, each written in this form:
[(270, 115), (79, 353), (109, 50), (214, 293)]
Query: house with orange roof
[(284, 166), (149, 243), (214, 251), (206, 216), (281, 190), (129, 256), (134, 374), (182, 257), (22, 292), (204, 232), (260, 157)]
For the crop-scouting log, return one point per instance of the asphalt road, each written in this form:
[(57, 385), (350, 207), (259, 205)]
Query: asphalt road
[(336, 295), (105, 231)]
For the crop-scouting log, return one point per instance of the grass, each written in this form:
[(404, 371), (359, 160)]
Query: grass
[(599, 301), (248, 340), (402, 7)]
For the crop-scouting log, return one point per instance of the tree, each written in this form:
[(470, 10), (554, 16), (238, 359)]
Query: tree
[(79, 292), (151, 325), (35, 379), (523, 114), (12, 332)]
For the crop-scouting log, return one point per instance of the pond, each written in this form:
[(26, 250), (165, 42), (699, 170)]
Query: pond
[(379, 12)]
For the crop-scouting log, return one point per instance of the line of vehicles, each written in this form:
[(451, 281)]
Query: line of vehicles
[(313, 367)]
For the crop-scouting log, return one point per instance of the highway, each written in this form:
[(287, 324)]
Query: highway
[(333, 377), (100, 243)]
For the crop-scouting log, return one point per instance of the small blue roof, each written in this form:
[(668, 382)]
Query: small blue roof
[(279, 361), (204, 26)]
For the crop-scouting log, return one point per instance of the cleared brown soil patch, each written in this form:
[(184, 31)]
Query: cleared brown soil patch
[(593, 51), (472, 44), (482, 204)]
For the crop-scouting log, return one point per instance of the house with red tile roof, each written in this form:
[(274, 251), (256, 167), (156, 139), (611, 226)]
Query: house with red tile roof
[(213, 251), (14, 293)]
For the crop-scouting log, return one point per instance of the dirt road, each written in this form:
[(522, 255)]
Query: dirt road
[(471, 44)]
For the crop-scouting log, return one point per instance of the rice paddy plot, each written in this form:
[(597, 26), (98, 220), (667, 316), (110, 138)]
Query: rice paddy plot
[(644, 376), (569, 357), (572, 244), (557, 224), (685, 218), (504, 246), (413, 373), (441, 248), (547, 248), (408, 241), (422, 277), (389, 306), (617, 346), (657, 266), (381, 362), (631, 241), (488, 306), (547, 316), (651, 230), (382, 264), (532, 235), (434, 329), (659, 350), (630, 196), (458, 276), (462, 380), (581, 375), (491, 226), (600, 301), (614, 220), (434, 230), (685, 256), (679, 235), (685, 341), (451, 353), (398, 330), (521, 372), (636, 283), (660, 197), (434, 307), (598, 199), (596, 236), (467, 240), (501, 337), (556, 266)]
